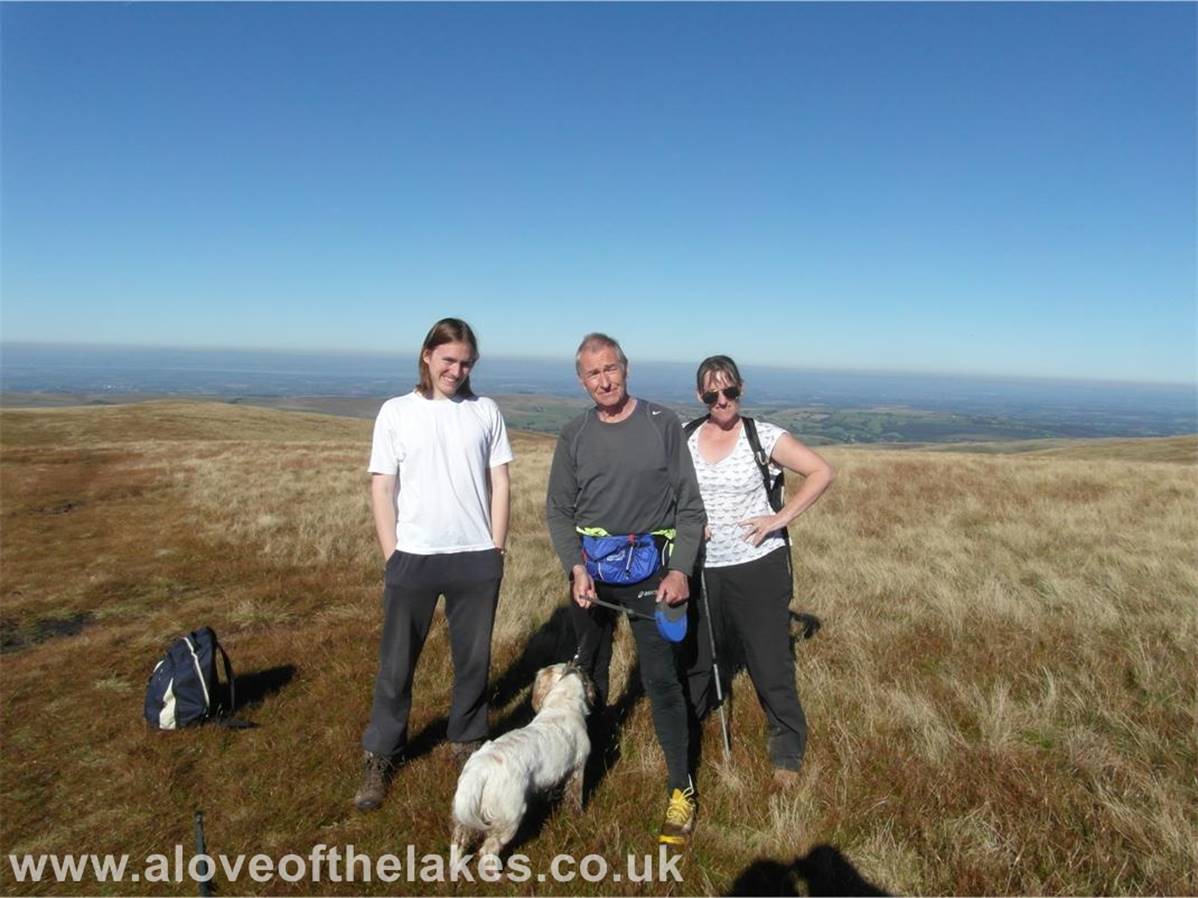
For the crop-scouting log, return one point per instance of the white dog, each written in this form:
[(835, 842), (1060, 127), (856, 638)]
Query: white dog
[(496, 782)]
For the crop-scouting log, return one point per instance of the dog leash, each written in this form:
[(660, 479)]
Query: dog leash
[(670, 619)]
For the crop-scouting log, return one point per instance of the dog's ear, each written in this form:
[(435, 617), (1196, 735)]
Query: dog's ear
[(588, 687), (546, 679)]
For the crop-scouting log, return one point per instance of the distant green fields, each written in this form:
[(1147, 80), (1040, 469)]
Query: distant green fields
[(899, 425), (816, 425)]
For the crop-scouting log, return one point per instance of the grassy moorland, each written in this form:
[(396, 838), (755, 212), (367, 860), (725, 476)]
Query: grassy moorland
[(1003, 696)]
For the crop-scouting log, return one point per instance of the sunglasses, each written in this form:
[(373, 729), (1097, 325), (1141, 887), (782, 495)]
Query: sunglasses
[(711, 396)]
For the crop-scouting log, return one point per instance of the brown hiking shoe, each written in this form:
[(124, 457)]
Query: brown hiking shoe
[(375, 779), (461, 751)]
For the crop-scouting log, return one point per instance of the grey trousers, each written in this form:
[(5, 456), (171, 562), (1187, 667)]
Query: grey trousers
[(470, 583)]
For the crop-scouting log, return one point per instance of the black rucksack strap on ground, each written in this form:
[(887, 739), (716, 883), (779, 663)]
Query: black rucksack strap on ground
[(223, 719), (232, 723), (229, 680)]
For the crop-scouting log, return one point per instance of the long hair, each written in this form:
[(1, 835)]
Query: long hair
[(447, 330)]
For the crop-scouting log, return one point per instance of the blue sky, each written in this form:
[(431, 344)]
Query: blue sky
[(999, 189)]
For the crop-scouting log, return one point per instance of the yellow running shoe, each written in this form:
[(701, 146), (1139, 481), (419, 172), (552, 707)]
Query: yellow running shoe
[(680, 818)]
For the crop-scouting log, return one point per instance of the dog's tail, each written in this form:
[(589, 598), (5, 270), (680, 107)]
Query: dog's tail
[(488, 797), (468, 800)]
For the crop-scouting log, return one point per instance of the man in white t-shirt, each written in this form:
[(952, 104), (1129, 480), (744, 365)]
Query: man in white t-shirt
[(440, 498)]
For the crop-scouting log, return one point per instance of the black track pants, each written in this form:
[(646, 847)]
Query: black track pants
[(660, 671), (750, 608), (470, 583)]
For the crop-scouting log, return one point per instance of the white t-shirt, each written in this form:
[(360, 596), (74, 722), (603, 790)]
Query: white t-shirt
[(733, 491), (440, 449)]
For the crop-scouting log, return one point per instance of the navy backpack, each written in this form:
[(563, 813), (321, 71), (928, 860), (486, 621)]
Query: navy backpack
[(184, 689)]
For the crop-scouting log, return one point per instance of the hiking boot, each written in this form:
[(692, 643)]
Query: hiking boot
[(461, 751), (680, 818), (375, 779), (784, 780)]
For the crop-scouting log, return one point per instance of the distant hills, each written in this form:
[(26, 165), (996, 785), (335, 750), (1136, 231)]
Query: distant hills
[(898, 427), (540, 395)]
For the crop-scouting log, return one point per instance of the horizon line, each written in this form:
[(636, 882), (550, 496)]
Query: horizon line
[(568, 359)]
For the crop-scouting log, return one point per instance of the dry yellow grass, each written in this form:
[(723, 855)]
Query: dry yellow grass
[(1003, 698), (1179, 449)]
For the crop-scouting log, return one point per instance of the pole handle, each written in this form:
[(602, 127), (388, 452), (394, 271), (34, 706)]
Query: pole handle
[(204, 883)]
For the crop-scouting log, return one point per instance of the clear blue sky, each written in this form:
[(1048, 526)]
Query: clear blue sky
[(1001, 189)]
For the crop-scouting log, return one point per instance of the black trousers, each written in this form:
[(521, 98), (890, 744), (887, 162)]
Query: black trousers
[(750, 611), (661, 673), (470, 583)]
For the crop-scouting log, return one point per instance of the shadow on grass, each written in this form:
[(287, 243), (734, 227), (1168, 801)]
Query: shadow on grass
[(432, 735), (14, 637), (604, 728), (253, 687), (823, 871), (553, 642)]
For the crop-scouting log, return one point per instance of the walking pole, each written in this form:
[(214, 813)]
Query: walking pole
[(204, 882), (715, 669)]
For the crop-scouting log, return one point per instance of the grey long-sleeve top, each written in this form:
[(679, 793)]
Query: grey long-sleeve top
[(632, 476)]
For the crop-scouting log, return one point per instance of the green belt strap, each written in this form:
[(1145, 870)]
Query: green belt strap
[(668, 532)]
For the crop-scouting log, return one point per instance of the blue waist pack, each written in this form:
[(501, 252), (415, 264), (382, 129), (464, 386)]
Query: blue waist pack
[(623, 559)]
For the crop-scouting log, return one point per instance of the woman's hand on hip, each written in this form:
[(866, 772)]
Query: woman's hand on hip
[(759, 527)]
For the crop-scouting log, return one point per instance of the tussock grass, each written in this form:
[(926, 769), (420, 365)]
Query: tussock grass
[(1002, 699), (1178, 450)]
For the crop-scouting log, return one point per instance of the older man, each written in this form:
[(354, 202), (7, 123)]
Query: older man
[(622, 468)]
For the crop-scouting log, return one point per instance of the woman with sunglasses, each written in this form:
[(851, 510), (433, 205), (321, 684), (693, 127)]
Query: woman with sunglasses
[(746, 564)]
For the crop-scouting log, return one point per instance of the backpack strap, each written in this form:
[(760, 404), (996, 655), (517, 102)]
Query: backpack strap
[(763, 465), (233, 723), (759, 456), (228, 677), (224, 719)]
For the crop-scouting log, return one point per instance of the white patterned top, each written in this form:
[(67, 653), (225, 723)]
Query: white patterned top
[(732, 491)]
